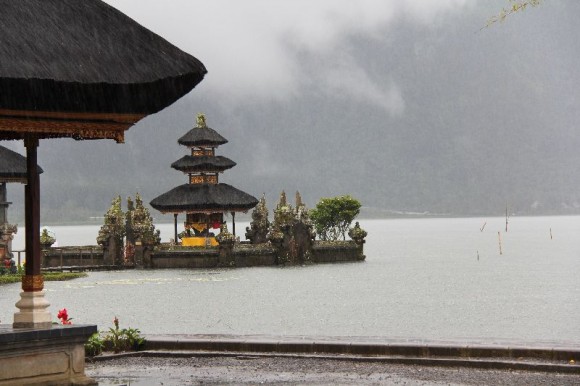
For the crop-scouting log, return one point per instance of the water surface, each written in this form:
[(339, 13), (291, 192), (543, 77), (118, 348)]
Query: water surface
[(423, 279)]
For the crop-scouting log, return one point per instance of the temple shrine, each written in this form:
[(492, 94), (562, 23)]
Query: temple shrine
[(203, 198)]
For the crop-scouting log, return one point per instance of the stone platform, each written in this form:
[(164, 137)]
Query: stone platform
[(47, 356)]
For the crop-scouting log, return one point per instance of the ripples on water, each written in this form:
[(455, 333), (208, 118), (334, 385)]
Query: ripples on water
[(423, 279)]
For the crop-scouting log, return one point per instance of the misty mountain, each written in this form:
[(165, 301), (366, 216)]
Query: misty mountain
[(468, 120)]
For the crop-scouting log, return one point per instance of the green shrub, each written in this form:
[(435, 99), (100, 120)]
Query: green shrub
[(115, 339), (94, 345), (332, 216), (48, 276)]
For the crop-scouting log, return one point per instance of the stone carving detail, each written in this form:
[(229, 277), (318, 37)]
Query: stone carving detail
[(112, 233), (32, 283), (257, 232), (143, 229), (357, 234), (226, 242), (292, 232), (7, 232), (134, 226)]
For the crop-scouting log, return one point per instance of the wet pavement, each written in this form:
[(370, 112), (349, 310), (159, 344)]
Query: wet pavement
[(249, 370), (301, 360)]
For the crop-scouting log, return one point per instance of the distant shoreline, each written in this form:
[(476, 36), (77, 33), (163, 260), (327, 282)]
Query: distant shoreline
[(362, 216)]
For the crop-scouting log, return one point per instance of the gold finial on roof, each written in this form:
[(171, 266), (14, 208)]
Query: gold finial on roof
[(201, 120)]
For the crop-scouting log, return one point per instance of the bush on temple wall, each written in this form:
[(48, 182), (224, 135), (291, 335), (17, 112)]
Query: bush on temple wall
[(332, 216)]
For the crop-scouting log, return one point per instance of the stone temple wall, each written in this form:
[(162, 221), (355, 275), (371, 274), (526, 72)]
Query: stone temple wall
[(223, 256)]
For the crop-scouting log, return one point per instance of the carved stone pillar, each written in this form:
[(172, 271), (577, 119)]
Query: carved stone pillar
[(7, 232), (33, 307)]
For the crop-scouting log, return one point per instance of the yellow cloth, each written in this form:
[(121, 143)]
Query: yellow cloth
[(198, 241)]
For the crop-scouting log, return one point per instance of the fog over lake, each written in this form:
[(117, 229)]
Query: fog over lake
[(405, 105)]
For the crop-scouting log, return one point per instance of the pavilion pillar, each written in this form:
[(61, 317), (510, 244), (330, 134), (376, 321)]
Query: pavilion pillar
[(33, 307), (175, 240), (3, 204), (234, 224)]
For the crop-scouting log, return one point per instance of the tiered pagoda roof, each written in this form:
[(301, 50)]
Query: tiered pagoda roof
[(204, 198), (202, 136), (13, 166), (188, 164), (203, 193)]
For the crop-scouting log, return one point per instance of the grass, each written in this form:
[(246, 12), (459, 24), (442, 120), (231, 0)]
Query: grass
[(48, 276)]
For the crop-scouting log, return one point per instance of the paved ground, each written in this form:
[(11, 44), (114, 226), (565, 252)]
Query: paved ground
[(250, 369), (301, 360)]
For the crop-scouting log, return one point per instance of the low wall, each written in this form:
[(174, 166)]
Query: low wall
[(241, 255), (72, 256), (184, 258), (247, 255), (336, 252)]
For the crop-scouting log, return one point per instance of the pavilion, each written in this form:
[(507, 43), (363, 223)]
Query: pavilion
[(203, 198)]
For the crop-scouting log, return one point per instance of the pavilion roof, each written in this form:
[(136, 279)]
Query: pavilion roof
[(13, 166), (83, 69), (204, 198), (206, 163), (202, 136)]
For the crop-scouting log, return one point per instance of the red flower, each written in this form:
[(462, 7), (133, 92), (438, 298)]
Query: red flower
[(62, 314)]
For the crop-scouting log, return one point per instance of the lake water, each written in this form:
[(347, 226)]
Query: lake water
[(440, 279)]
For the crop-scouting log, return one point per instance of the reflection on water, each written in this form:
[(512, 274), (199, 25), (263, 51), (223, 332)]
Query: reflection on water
[(423, 278)]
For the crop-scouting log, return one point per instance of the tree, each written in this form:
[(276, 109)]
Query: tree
[(332, 216)]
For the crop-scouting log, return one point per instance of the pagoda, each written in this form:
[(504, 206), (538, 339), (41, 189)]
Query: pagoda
[(203, 198)]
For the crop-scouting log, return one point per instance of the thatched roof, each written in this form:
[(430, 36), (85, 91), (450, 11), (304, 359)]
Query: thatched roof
[(193, 198), (71, 56), (189, 164), (13, 166), (202, 136)]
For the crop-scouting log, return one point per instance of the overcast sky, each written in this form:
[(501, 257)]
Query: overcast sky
[(407, 105), (252, 47)]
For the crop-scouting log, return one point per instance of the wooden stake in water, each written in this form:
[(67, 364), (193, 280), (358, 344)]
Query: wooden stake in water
[(483, 227), (550, 233), (499, 240)]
